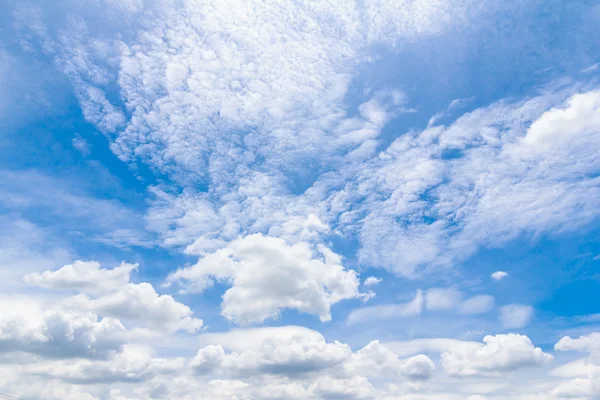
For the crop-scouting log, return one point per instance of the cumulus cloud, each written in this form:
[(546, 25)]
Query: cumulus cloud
[(498, 354), (307, 280), (371, 281), (84, 276), (25, 325), (579, 118), (292, 355), (132, 364), (108, 292), (140, 303)]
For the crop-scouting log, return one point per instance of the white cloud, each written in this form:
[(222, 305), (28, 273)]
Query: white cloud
[(81, 145), (84, 276), (428, 210), (108, 292), (499, 275), (418, 367), (371, 281), (515, 315), (589, 343), (251, 265), (140, 303), (579, 117), (297, 354), (132, 364), (25, 325), (499, 354)]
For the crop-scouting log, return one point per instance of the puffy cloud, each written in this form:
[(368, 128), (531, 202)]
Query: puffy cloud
[(297, 354), (499, 354), (515, 315), (108, 292), (140, 303), (251, 265), (26, 326), (418, 367), (132, 364), (588, 343), (579, 118), (372, 280), (84, 276)]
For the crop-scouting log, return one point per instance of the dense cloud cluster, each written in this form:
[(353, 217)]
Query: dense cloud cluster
[(266, 157)]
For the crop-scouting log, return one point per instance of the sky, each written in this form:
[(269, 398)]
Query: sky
[(334, 199)]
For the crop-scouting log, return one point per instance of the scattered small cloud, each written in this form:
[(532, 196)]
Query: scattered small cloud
[(499, 275)]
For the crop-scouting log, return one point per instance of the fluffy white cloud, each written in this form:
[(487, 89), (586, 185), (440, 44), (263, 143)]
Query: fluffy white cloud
[(84, 276), (588, 343), (299, 353), (376, 360), (140, 303), (583, 375), (132, 364), (577, 121), (515, 315), (371, 280), (108, 292), (254, 263), (25, 325), (499, 354)]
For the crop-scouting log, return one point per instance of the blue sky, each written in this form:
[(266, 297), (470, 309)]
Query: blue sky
[(302, 200)]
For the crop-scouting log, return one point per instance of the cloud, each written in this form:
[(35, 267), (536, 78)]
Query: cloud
[(480, 304), (84, 276), (308, 281), (297, 354), (499, 275), (71, 208), (583, 375), (26, 326), (588, 343), (579, 118), (140, 303), (109, 292), (431, 346), (442, 299), (499, 354), (387, 311), (414, 203), (515, 315), (371, 281), (81, 145), (133, 364)]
